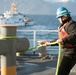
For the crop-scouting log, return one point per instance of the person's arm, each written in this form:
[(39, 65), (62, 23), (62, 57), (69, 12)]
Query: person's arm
[(47, 43), (54, 41)]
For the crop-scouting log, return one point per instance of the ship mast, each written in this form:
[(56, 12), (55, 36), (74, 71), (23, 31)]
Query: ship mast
[(13, 9)]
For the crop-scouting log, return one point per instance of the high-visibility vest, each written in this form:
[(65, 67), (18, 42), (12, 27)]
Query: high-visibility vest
[(62, 34)]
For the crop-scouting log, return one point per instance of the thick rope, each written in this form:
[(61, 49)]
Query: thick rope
[(8, 37), (36, 47), (30, 49), (58, 62)]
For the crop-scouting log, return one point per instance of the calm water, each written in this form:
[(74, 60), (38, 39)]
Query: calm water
[(42, 22)]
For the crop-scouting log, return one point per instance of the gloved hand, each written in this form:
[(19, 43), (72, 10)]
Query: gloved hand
[(43, 42)]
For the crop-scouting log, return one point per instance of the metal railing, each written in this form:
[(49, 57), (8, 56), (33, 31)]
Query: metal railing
[(35, 35)]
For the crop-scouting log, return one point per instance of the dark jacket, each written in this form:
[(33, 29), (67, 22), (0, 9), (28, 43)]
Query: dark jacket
[(70, 28)]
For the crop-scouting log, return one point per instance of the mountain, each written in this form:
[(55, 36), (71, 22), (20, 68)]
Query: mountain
[(69, 5), (37, 7), (27, 6), (5, 5)]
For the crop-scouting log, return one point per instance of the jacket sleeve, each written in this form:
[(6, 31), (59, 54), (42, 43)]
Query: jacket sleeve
[(71, 30), (54, 41)]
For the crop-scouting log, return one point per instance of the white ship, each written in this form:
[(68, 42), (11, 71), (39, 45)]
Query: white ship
[(13, 17)]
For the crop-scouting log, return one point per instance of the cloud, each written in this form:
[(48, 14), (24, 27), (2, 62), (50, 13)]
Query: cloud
[(64, 1)]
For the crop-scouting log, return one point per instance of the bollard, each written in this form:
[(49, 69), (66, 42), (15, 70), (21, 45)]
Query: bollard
[(22, 44), (9, 45), (42, 51), (8, 60)]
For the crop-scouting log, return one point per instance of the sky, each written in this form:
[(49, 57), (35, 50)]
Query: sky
[(52, 0)]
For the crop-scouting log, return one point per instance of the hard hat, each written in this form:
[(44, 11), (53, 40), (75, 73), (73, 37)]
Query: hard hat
[(61, 11)]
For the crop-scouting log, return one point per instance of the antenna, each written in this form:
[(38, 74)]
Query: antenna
[(13, 7)]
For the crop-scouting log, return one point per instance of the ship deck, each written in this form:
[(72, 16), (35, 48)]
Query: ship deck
[(33, 65)]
